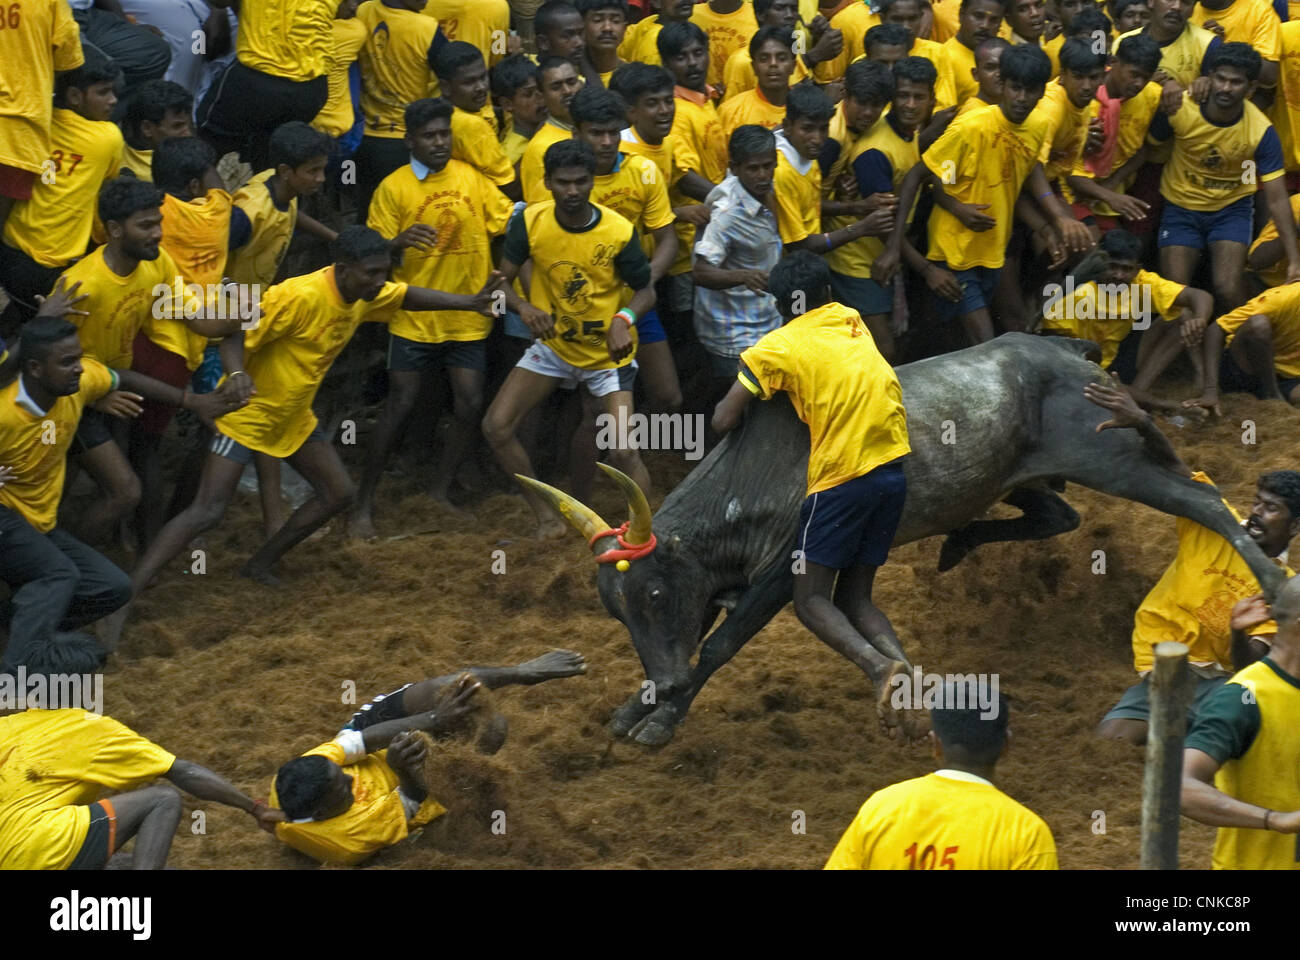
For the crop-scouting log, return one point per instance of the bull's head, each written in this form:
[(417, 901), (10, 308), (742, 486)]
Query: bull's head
[(659, 590)]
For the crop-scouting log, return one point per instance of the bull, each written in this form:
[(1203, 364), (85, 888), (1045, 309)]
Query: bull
[(1006, 420)]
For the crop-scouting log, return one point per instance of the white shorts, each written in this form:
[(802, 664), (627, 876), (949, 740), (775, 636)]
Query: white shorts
[(539, 358)]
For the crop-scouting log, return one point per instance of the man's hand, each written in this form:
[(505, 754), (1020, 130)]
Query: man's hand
[(487, 301), (1280, 822), (943, 282), (1096, 136), (539, 323), (1074, 234), (120, 403), (208, 406), (240, 386), (834, 90), (267, 817), (1171, 97), (1124, 410), (1130, 208), (828, 46), (1214, 27), (454, 708), (1056, 252), (618, 338), (1207, 401), (6, 474), (755, 280), (1250, 613), (406, 753), (972, 216), (694, 213), (62, 301), (1293, 272), (878, 223), (1199, 90), (420, 235), (1191, 328), (885, 266)]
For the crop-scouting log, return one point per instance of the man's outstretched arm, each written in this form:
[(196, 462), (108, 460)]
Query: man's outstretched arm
[(203, 783), (1125, 413)]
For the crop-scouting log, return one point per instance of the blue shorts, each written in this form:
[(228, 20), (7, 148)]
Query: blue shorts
[(862, 294), (1233, 379), (853, 524), (977, 286), (1180, 227), (232, 449), (649, 329), (412, 355)]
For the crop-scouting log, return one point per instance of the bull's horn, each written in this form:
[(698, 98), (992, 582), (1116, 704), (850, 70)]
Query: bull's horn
[(639, 516), (584, 519)]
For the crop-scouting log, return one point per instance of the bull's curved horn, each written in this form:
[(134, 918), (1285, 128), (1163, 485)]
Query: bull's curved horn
[(639, 515), (583, 519)]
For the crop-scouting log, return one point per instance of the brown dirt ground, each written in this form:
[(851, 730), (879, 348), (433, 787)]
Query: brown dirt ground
[(241, 678)]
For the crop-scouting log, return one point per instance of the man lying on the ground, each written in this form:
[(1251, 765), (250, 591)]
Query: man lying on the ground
[(364, 790), (54, 767)]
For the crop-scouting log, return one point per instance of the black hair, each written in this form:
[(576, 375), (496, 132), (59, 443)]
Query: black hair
[(760, 9), (1088, 23), (869, 81), (594, 104), (123, 196), (1120, 244), (677, 36), (421, 112), (591, 6), (1242, 56), (451, 57), (549, 14), (1285, 484), (301, 785), (965, 5), (1079, 56), (809, 101), (295, 143), (800, 273), (178, 160), (153, 100), (883, 5), (966, 734), (889, 35), (995, 43), (1139, 51), (512, 73), (915, 70), (97, 68), (634, 80), (39, 335), (765, 34), (1026, 65), (569, 153), (356, 242), (552, 61), (749, 140)]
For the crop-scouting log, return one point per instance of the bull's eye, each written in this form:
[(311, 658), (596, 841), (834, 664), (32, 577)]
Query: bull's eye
[(654, 596)]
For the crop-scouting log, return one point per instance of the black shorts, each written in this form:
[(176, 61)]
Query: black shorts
[(101, 838), (95, 430), (386, 706), (853, 523), (411, 355), (244, 106), (1233, 379)]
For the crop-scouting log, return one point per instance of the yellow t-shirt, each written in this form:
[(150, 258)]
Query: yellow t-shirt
[(304, 324), (1106, 316), (394, 66), (139, 162), (727, 32), (840, 386), (35, 446), (376, 819), (1193, 600), (1135, 115), (514, 145), (259, 259), (749, 107), (1209, 162), (946, 20), (947, 820), (45, 40), (1275, 276), (797, 194), (474, 141), (961, 61), (196, 234), (641, 42), (466, 209), (1062, 151), (532, 172), (1183, 56), (1282, 307), (894, 155), (638, 193), (483, 23), (853, 22), (675, 157), (117, 306), (54, 226), (1053, 50), (287, 38), (981, 158), (738, 74), (577, 279), (336, 117), (1245, 21), (1285, 112), (696, 125), (53, 764), (1267, 774)]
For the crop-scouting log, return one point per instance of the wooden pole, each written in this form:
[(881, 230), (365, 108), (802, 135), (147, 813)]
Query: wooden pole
[(1171, 695)]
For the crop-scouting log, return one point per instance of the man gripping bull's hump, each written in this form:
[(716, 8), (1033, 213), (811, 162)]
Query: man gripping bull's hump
[(826, 360)]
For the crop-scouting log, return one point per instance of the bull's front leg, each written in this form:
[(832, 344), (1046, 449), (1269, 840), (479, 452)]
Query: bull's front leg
[(757, 606)]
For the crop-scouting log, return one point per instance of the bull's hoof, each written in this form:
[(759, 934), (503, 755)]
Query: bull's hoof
[(651, 733), (629, 715), (953, 551)]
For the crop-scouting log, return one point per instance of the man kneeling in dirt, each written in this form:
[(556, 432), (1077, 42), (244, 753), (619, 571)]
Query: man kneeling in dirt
[(365, 789)]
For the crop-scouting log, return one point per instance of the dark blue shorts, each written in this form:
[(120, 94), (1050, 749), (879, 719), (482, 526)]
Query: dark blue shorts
[(862, 294), (853, 524), (1180, 227), (1233, 379), (977, 286), (232, 449), (412, 355)]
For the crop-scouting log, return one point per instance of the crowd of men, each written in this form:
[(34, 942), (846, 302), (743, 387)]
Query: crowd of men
[(708, 203)]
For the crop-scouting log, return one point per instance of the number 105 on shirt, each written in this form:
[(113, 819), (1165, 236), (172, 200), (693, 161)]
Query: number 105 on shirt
[(926, 859)]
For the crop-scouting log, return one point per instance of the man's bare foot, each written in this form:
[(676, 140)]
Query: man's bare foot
[(362, 527), (552, 528), (109, 629), (903, 721), (262, 575), (551, 666)]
